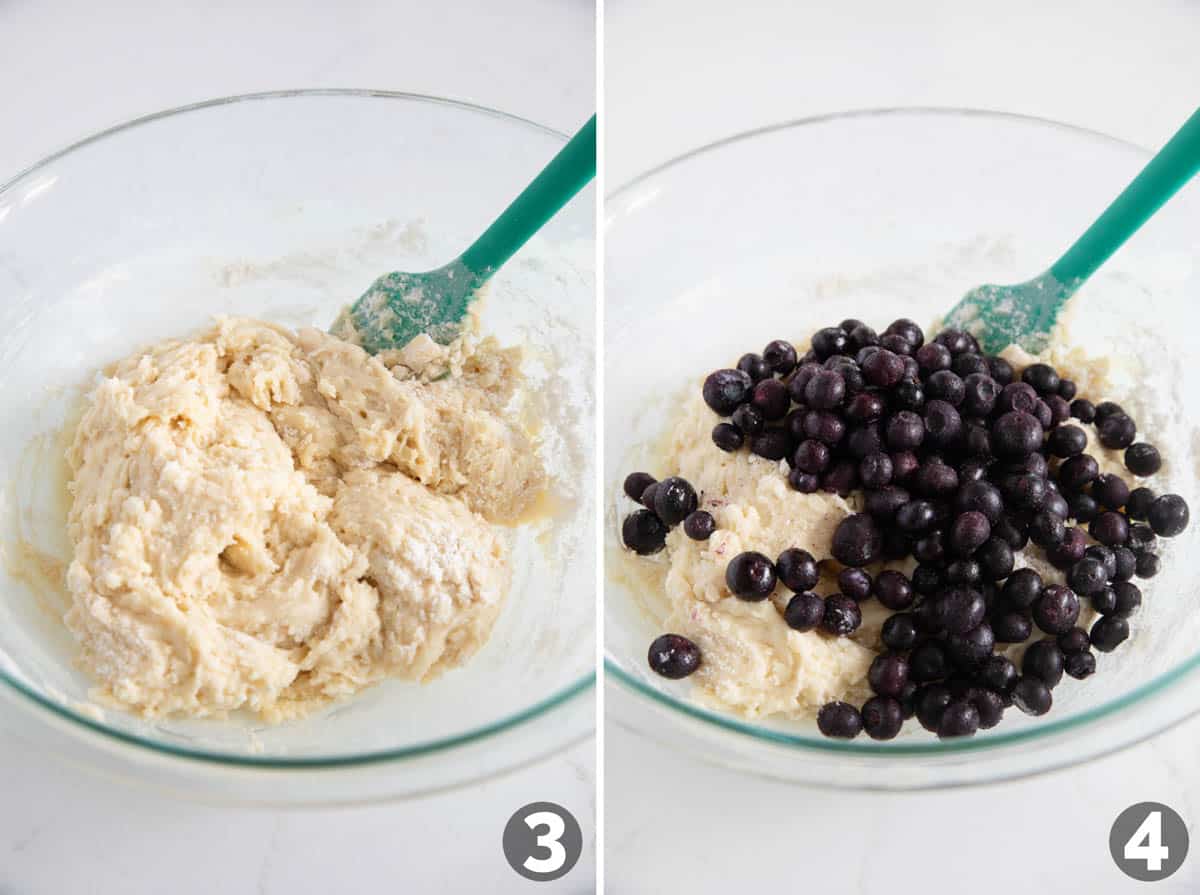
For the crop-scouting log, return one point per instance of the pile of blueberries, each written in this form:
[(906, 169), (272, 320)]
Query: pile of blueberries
[(960, 464)]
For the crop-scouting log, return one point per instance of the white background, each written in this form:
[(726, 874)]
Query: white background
[(70, 68), (680, 74)]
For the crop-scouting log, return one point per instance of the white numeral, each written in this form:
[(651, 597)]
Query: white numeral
[(1146, 843), (550, 840)]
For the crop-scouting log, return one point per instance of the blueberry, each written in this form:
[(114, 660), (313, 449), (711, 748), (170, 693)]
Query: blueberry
[(996, 558), (674, 500), (1057, 609), (981, 496), (647, 499), (981, 392), (893, 590), (1110, 491), (1080, 665), (725, 390), (933, 357), (1082, 410), (727, 437), (1023, 588), (931, 702), (1142, 459), (959, 609), (883, 369), (1088, 576), (1111, 529), (1128, 599), (908, 395), (750, 576), (1137, 506), (959, 719), (927, 663), (968, 532), (797, 569), (1081, 507), (1074, 641), (1025, 492), (804, 482), (882, 717), (811, 456), (1147, 565), (935, 479), (907, 330), (1017, 396), (772, 398), (989, 704), (780, 356), (1067, 389), (970, 650), (888, 674), (1016, 434), (905, 431), (804, 612), (1116, 431), (1032, 696), (875, 470), (1044, 661), (930, 549), (823, 426), (839, 719), (850, 324), (842, 615), (829, 341), (1009, 531), (699, 525), (754, 367), (1106, 557), (1042, 377), (750, 419), (1067, 441), (965, 572), (840, 478), (945, 385), (956, 340), (926, 580), (854, 583), (861, 336), (1076, 472), (1069, 551), (857, 541), (1104, 601), (904, 465), (899, 632), (998, 673), (1125, 563), (825, 390), (674, 656), (882, 503), (943, 425), (798, 382), (1047, 529), (1142, 537), (636, 483), (1054, 502), (1000, 370), (773, 444), (1109, 632), (643, 533), (1012, 627), (970, 364), (1168, 515)]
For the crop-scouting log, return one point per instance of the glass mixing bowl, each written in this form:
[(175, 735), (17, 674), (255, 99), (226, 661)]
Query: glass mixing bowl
[(286, 206), (878, 215)]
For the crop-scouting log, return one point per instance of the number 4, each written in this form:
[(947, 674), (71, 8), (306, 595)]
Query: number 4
[(1146, 843), (550, 841)]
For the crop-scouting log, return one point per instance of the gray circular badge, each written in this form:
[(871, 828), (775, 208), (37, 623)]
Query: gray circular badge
[(542, 841), (1148, 841)]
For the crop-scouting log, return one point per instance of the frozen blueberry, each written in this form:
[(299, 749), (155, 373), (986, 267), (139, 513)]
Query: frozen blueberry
[(882, 503), (998, 673), (797, 569), (1016, 434), (1111, 529), (945, 385), (969, 364), (893, 590), (1012, 627), (1067, 389), (899, 632), (958, 341), (1069, 551), (904, 465), (841, 478), (931, 702), (930, 549), (943, 425), (882, 717), (989, 704), (970, 650), (798, 382), (908, 395), (648, 495), (907, 330), (1147, 565), (773, 444), (754, 366), (995, 558), (1083, 410), (1076, 472), (674, 500), (1032, 696), (905, 431), (965, 572), (857, 541), (875, 470), (1137, 506), (888, 674), (824, 426), (636, 483), (935, 479), (811, 456), (1116, 431), (771, 397), (749, 418), (959, 719), (1080, 665), (854, 583), (1047, 529), (674, 656), (959, 609), (1142, 537), (1110, 491), (825, 390), (968, 532), (780, 356), (1042, 377), (804, 482), (1067, 441), (981, 496), (1044, 661), (1125, 563), (829, 341), (727, 437), (1128, 599), (842, 615), (643, 532), (1017, 396), (926, 580), (1109, 632), (804, 612), (1104, 601), (839, 719), (699, 525), (1105, 409), (883, 369), (1054, 502), (933, 357), (1074, 641), (1105, 556), (862, 336), (927, 663), (1057, 609), (1022, 588), (1168, 515), (1081, 507), (1088, 576), (750, 576), (1142, 459), (1009, 531), (980, 394), (1025, 492), (1000, 370), (725, 390)]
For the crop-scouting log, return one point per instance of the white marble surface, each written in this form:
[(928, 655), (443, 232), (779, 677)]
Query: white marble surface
[(72, 67), (680, 74)]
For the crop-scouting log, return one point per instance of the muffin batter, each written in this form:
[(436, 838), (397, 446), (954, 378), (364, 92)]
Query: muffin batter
[(268, 520), (753, 663)]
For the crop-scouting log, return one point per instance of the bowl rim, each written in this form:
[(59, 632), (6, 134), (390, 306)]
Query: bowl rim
[(559, 698), (868, 749)]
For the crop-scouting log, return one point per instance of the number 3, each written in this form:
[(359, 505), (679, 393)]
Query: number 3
[(1153, 852), (550, 841)]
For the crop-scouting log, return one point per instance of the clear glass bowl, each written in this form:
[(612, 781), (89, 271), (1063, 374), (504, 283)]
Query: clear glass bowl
[(286, 206), (773, 233)]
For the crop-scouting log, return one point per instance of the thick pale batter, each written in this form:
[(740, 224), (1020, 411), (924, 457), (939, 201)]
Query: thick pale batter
[(753, 663), (269, 521)]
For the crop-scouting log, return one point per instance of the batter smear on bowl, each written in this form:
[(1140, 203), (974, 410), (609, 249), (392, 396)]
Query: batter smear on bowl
[(882, 527), (267, 520)]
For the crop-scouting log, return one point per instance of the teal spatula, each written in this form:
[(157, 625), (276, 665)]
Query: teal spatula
[(1025, 313), (400, 305)]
